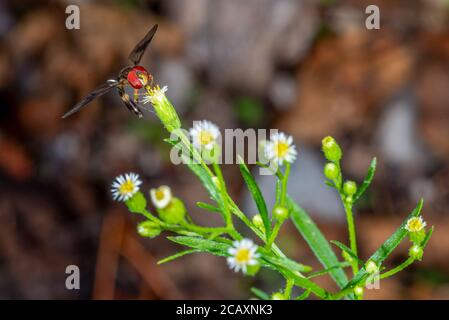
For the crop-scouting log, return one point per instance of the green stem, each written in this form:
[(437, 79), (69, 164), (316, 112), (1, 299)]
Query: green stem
[(397, 269), (274, 234), (288, 288), (284, 183), (352, 235)]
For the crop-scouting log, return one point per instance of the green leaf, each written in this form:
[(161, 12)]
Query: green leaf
[(260, 294), (208, 207), (387, 247), (305, 283), (177, 255), (369, 177), (258, 198), (137, 204), (286, 263), (427, 237), (316, 241), (326, 271), (213, 247), (348, 250)]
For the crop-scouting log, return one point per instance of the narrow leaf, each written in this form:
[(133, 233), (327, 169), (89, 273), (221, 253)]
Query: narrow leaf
[(369, 177), (258, 198), (208, 207), (260, 294), (177, 255), (213, 247), (348, 250), (287, 263), (317, 242)]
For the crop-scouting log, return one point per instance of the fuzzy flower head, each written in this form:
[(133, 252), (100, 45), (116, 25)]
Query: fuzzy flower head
[(243, 254), (155, 95), (204, 134), (125, 186), (415, 224), (280, 148), (161, 197)]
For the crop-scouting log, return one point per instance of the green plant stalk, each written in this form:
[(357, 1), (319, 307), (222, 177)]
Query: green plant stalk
[(352, 234), (284, 183), (274, 233), (397, 269), (288, 288)]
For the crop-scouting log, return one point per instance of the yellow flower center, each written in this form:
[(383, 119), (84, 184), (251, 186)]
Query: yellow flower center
[(243, 256), (281, 149), (414, 224), (205, 138), (126, 187), (160, 195)]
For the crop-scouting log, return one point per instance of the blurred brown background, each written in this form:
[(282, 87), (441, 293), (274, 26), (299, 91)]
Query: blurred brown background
[(309, 68)]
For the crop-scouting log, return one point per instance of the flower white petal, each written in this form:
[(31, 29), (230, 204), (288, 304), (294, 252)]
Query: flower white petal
[(243, 253), (161, 197), (125, 186)]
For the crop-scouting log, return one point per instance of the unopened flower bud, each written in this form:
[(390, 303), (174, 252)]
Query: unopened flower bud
[(280, 212), (416, 252), (331, 171), (174, 212), (257, 221), (278, 296), (148, 229), (358, 291), (331, 149), (371, 267), (350, 188)]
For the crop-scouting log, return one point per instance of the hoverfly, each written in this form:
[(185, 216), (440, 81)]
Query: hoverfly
[(135, 76)]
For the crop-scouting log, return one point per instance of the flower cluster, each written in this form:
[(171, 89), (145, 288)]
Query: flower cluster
[(203, 143)]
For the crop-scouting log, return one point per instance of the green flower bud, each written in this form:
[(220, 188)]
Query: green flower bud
[(371, 267), (163, 108), (278, 296), (257, 221), (174, 212), (137, 203), (280, 212), (358, 291), (331, 149), (350, 188), (251, 270), (416, 252), (148, 229), (347, 257), (331, 171), (349, 199)]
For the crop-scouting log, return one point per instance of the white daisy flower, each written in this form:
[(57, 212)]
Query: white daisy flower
[(161, 196), (280, 148), (125, 186), (155, 95), (243, 254), (415, 224), (204, 134)]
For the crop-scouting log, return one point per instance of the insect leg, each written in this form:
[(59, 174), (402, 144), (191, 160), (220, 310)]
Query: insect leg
[(128, 102)]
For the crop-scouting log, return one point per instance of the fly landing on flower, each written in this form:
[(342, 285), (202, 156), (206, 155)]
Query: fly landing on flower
[(125, 186), (243, 255), (280, 149), (415, 224), (204, 135), (161, 196), (135, 76)]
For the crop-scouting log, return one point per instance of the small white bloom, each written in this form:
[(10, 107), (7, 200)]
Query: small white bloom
[(280, 148), (243, 254), (125, 186), (161, 196), (155, 95), (204, 134), (415, 224)]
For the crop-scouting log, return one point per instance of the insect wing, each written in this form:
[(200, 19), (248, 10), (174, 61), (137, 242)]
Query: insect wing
[(136, 55), (91, 96)]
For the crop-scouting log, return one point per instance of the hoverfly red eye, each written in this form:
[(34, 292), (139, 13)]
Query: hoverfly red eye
[(134, 80), (138, 77)]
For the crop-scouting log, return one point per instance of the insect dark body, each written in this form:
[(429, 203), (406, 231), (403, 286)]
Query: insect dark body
[(135, 76)]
